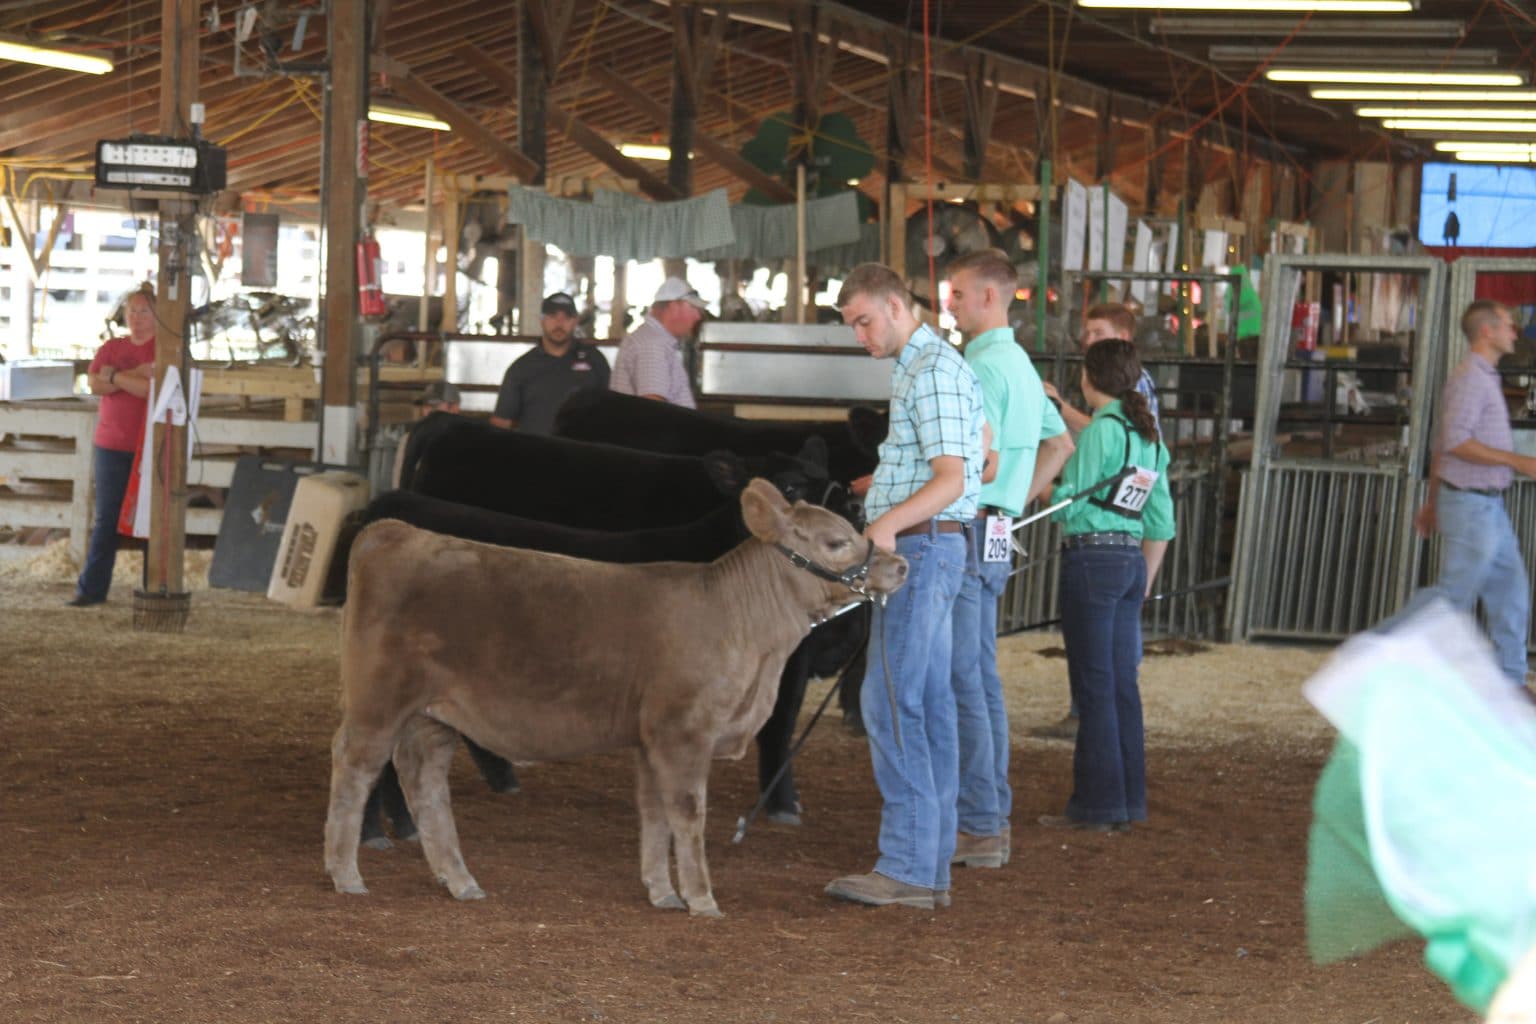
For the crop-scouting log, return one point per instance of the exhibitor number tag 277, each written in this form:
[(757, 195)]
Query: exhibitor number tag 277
[(1132, 494)]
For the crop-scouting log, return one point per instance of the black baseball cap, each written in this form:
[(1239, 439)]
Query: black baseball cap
[(559, 302)]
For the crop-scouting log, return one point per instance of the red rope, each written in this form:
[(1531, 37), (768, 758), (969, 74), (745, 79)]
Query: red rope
[(933, 279)]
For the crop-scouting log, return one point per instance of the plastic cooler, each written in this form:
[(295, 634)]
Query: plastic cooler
[(322, 503)]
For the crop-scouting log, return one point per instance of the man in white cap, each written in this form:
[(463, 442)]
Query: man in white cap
[(650, 360)]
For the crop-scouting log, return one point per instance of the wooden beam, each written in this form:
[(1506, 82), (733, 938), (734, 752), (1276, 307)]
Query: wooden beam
[(573, 128), (411, 88), (980, 111), (535, 66), (718, 152), (567, 124)]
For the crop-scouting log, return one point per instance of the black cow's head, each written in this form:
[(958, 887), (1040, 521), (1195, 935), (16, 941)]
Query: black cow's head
[(799, 477)]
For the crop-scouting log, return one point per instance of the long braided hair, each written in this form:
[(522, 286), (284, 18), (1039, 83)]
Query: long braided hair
[(1114, 369)]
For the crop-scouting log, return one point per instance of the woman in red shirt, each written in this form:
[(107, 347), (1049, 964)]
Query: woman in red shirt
[(120, 374)]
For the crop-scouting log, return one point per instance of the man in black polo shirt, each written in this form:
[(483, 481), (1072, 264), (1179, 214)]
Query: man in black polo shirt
[(538, 383)]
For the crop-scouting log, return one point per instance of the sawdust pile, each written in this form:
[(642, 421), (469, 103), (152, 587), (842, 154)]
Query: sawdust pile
[(53, 564)]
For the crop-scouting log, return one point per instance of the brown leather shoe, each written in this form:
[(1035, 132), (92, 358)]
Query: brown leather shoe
[(877, 890), (977, 851)]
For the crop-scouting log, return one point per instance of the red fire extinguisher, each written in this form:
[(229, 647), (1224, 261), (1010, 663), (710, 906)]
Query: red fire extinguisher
[(370, 278)]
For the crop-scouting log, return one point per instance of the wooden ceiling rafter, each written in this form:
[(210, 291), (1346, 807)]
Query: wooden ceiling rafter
[(721, 154), (569, 125)]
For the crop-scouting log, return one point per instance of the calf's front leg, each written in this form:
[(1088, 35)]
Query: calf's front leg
[(655, 839), (681, 773)]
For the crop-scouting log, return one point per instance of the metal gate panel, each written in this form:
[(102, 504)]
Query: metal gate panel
[(1325, 547)]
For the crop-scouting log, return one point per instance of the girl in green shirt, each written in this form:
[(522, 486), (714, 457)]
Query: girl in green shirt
[(1114, 542)]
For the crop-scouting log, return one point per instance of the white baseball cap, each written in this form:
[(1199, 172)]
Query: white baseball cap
[(675, 288)]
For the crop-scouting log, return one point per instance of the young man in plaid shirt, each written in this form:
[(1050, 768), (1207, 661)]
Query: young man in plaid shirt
[(922, 499)]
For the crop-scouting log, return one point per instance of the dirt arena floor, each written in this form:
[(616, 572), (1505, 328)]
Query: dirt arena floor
[(162, 800)]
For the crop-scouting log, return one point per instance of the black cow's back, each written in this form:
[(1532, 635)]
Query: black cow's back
[(592, 486), (608, 417), (702, 540)]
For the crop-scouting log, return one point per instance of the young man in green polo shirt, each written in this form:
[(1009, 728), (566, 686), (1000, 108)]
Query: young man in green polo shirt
[(1029, 446)]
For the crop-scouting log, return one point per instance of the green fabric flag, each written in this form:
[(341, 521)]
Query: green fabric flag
[(1422, 818)]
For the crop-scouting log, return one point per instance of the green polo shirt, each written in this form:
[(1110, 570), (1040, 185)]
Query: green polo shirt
[(1101, 452), (1017, 410)]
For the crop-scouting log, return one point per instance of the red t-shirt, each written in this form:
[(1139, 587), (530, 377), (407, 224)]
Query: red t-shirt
[(120, 420)]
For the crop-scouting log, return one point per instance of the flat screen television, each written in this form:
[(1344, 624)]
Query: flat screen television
[(1478, 205)]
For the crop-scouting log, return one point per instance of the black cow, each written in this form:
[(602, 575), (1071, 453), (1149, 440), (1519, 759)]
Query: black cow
[(550, 472), (609, 417), (592, 486)]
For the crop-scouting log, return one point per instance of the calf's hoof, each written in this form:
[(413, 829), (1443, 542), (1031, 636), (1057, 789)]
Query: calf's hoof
[(468, 892), (671, 901), (784, 817), (378, 843), (704, 908), (356, 888)]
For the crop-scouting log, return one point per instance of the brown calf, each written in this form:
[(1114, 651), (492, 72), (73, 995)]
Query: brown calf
[(443, 635)]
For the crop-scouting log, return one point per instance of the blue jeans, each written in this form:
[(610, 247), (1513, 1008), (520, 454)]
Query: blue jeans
[(918, 777), (985, 800), (1101, 595), (1479, 560), (112, 469)]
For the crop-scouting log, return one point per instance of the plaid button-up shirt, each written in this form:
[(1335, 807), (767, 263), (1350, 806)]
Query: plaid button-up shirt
[(935, 410)]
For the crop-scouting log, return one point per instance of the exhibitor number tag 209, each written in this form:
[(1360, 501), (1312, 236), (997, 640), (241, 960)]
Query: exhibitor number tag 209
[(995, 544)]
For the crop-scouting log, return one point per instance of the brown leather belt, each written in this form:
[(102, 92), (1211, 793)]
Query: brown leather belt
[(938, 525)]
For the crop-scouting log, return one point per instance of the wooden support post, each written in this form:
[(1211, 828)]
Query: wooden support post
[(980, 109), (346, 190), (449, 324), (680, 128), (428, 251), (164, 560)]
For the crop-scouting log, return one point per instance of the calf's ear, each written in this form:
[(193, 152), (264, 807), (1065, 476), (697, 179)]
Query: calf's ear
[(764, 510)]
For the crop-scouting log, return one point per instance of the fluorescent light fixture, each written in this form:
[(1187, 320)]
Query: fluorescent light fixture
[(1317, 28), (1367, 76), (66, 60), (1466, 145), (645, 151), (1437, 58), (1434, 124), (409, 118), (1426, 95), (1341, 6), (1463, 113), (1524, 156)]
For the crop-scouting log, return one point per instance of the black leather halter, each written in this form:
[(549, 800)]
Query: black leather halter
[(855, 578)]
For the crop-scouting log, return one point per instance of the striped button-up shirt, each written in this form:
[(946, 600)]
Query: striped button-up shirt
[(1473, 408), (935, 410), (650, 362)]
